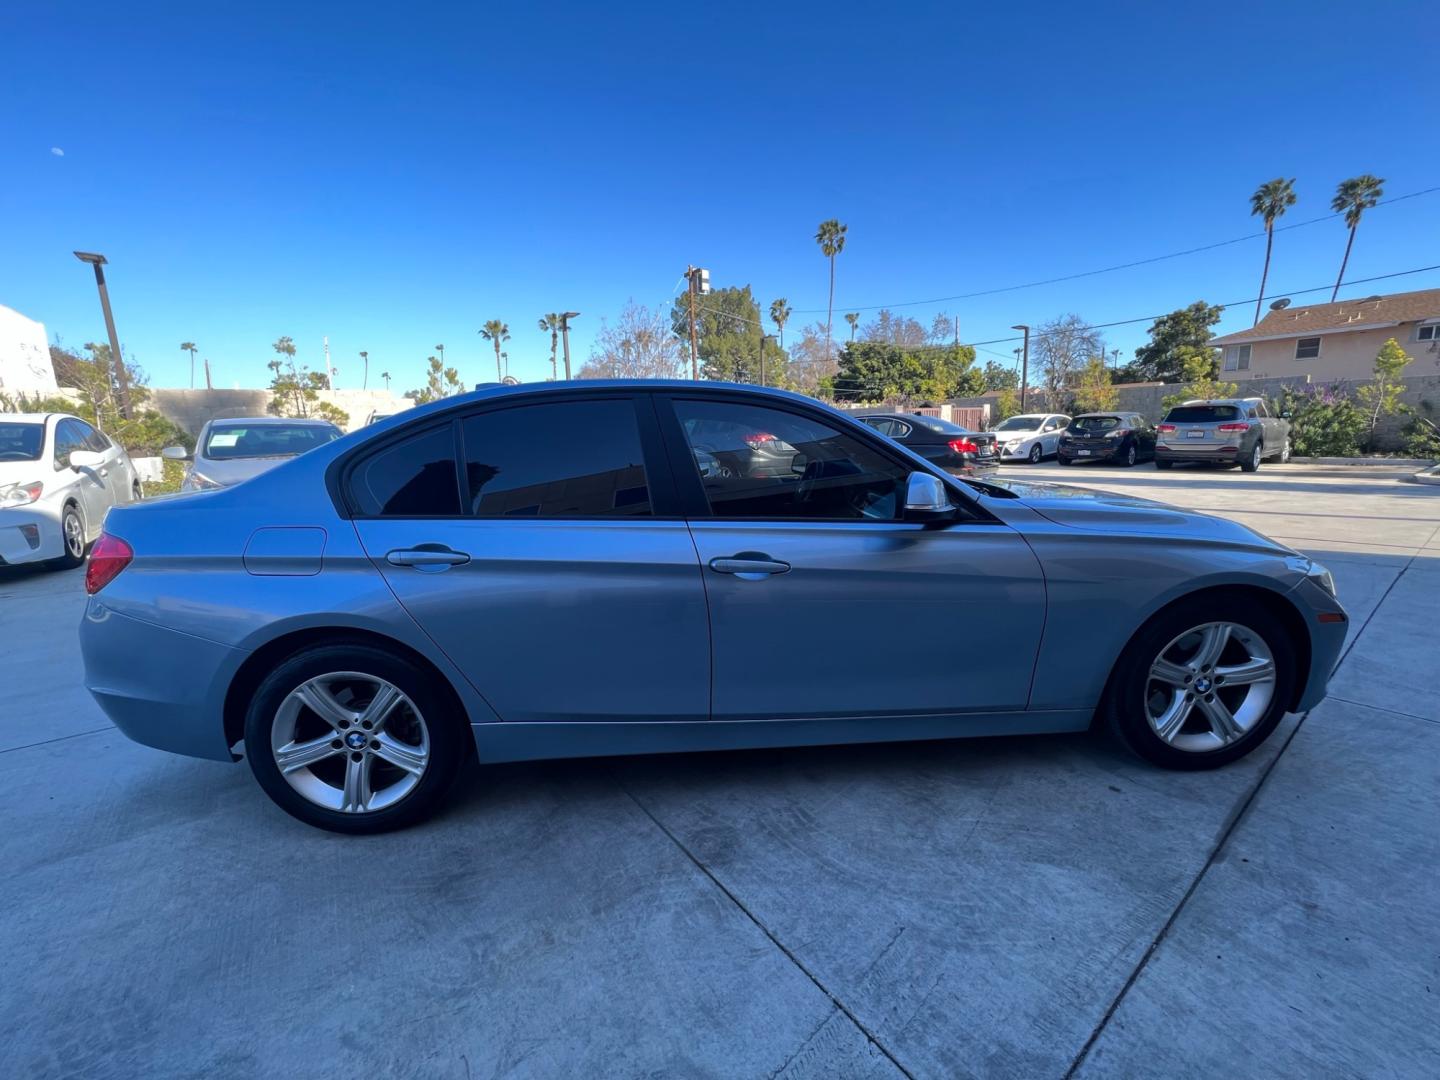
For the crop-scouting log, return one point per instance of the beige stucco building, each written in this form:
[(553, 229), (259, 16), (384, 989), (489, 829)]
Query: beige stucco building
[(1335, 341)]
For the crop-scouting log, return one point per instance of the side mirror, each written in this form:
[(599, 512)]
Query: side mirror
[(926, 497), (798, 464), (1286, 415), (175, 453), (86, 459)]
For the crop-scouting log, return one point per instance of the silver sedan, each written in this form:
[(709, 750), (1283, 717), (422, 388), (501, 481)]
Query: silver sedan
[(576, 569)]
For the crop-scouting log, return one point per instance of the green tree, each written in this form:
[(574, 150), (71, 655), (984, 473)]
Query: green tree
[(1352, 198), (727, 332), (189, 346), (295, 389), (551, 323), (1198, 367), (1093, 389), (780, 315), (144, 434), (1173, 339), (1324, 421), (1380, 397), (998, 376), (495, 332), (441, 382), (884, 371), (1007, 404), (853, 318), (1270, 201), (831, 237)]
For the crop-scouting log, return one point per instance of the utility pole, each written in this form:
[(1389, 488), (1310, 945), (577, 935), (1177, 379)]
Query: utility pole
[(122, 377), (565, 335), (329, 372), (698, 281), (1024, 363)]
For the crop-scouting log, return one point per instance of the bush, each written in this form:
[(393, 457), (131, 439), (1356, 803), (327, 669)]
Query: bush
[(1324, 421), (1422, 439)]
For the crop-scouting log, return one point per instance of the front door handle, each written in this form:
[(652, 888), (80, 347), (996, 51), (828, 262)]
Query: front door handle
[(749, 565), (430, 557)]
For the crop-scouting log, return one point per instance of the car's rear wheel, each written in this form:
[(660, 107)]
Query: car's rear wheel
[(1252, 460), (1128, 459), (354, 739), (72, 534), (1036, 454), (1203, 683), (1161, 463), (1285, 451), (1063, 460)]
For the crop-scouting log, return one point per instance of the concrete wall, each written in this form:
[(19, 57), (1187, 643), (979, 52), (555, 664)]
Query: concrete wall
[(190, 409), (1343, 355)]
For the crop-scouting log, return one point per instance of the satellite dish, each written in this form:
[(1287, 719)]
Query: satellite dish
[(1280, 305)]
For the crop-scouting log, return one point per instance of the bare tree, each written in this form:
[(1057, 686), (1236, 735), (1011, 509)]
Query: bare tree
[(1059, 350), (640, 345)]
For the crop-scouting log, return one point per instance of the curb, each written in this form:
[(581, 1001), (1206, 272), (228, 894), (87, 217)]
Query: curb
[(1409, 462), (1428, 476)]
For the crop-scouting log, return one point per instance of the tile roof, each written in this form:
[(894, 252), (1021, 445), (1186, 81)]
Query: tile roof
[(1302, 319)]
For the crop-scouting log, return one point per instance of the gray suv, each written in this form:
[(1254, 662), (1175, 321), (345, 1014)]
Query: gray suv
[(1226, 431)]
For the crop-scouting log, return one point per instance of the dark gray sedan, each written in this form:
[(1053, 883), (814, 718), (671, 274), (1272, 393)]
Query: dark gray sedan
[(553, 571)]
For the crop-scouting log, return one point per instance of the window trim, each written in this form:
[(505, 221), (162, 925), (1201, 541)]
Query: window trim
[(1434, 328), (1319, 346)]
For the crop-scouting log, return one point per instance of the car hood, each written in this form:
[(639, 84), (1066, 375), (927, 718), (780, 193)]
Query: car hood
[(233, 470), (1109, 512)]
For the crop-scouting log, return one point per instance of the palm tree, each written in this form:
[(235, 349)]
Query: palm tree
[(780, 315), (189, 346), (1271, 199), (831, 238), (365, 379), (441, 350), (551, 323), (853, 318), (496, 332), (1353, 197), (386, 376)]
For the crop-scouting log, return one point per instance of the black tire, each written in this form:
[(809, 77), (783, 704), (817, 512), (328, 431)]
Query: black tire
[(1128, 457), (1124, 709), (1036, 453), (449, 736), (74, 553), (1161, 463), (137, 493), (1252, 462), (1063, 460)]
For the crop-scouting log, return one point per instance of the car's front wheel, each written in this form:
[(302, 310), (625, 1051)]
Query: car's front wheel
[(72, 534), (1036, 453), (354, 739), (1128, 458), (1203, 683)]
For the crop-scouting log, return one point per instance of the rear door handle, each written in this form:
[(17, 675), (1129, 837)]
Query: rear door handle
[(749, 565), (429, 557)]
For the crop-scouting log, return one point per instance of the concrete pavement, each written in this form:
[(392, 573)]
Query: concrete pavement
[(999, 907)]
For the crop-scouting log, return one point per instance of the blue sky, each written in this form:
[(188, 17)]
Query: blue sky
[(393, 176)]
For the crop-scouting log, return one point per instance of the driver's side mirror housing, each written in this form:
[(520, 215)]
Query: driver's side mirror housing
[(175, 453), (927, 498), (86, 459), (1286, 414)]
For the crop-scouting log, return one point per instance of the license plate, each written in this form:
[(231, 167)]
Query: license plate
[(1195, 434), (1084, 453), (985, 451)]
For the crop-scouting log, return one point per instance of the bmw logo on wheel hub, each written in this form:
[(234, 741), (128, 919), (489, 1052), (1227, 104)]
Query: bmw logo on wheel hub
[(355, 740)]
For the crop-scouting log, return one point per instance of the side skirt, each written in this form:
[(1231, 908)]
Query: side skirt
[(532, 742)]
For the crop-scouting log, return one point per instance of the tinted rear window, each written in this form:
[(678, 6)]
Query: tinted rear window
[(21, 442), (1202, 414), (940, 427), (1095, 423), (228, 441), (414, 478)]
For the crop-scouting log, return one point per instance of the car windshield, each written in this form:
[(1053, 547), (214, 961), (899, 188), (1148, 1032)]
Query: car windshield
[(265, 440), (1202, 414), (1094, 423), (21, 442), (940, 427), (1021, 423)]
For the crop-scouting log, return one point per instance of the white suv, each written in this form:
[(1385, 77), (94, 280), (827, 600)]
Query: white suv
[(58, 477)]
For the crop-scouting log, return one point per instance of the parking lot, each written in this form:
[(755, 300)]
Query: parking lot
[(1035, 907)]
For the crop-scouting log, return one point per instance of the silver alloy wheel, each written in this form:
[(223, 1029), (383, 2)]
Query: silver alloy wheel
[(350, 742), (1130, 456), (74, 534), (1210, 686), (1255, 456), (1285, 451), (1036, 453)]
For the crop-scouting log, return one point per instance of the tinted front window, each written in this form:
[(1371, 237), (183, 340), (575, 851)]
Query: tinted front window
[(780, 465), (1090, 424), (414, 478), (1202, 414), (569, 459), (21, 442), (229, 441)]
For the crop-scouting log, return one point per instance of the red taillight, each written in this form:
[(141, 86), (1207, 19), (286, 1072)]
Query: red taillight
[(108, 557), (963, 446), (1165, 427), (1234, 427), (757, 439)]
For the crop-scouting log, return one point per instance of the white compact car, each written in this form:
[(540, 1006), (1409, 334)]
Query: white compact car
[(1031, 436), (58, 477)]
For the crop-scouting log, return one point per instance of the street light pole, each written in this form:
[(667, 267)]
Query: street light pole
[(122, 377), (565, 335), (1024, 363)]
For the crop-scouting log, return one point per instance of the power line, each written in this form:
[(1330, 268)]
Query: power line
[(1110, 269)]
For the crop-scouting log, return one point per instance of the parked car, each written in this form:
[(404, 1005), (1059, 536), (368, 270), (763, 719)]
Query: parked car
[(362, 618), (229, 451), (957, 450), (1107, 436), (58, 478), (1225, 431), (1030, 437)]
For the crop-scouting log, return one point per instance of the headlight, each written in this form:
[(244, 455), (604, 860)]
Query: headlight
[(201, 482), (1014, 444), (21, 494), (1302, 564)]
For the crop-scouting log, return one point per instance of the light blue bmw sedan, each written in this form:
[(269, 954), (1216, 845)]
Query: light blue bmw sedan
[(594, 568)]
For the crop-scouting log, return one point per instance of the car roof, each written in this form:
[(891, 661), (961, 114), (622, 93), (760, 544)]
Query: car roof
[(1220, 401), (32, 417), (1107, 412), (263, 421)]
